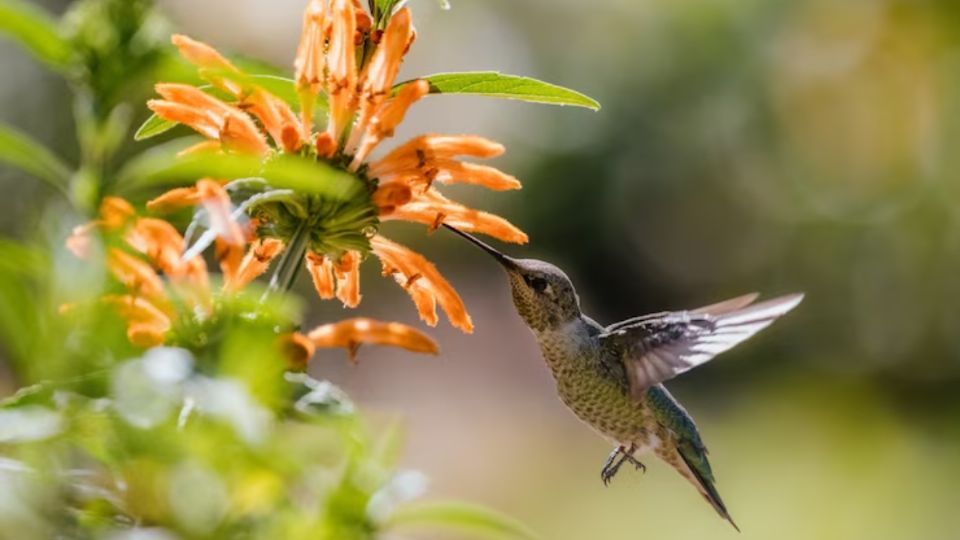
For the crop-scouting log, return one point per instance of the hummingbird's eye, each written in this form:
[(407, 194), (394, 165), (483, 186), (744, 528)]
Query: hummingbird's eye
[(538, 284)]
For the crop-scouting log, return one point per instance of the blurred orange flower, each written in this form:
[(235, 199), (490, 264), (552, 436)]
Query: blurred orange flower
[(152, 304)]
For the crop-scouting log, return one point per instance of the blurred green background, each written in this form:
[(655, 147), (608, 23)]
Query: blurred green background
[(743, 145)]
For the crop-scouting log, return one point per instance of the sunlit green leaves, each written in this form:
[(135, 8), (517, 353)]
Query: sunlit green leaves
[(459, 517), (161, 165), (499, 85), (35, 30), (21, 151)]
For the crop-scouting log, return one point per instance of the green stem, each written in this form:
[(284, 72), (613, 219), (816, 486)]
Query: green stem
[(291, 261)]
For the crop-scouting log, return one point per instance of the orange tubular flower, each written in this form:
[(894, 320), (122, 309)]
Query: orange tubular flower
[(254, 264), (342, 56), (208, 115), (147, 306), (352, 333), (424, 283), (152, 305)]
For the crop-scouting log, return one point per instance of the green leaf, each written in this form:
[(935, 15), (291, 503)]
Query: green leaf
[(460, 517), (23, 152), (36, 31), (152, 127), (281, 87), (499, 85), (160, 165)]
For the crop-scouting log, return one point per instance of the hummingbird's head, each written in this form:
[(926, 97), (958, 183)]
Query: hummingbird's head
[(543, 294)]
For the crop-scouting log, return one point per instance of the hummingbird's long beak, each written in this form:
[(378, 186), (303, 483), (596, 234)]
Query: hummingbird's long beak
[(507, 262)]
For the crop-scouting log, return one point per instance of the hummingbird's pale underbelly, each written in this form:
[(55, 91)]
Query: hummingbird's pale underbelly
[(595, 396), (608, 410)]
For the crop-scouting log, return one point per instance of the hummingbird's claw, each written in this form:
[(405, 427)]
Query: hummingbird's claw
[(610, 467), (636, 462)]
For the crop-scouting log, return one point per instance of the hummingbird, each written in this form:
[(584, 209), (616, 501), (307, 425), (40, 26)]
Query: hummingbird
[(611, 377)]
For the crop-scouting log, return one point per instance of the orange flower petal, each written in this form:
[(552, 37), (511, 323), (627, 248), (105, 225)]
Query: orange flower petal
[(204, 56), (311, 60), (382, 69), (277, 118), (415, 152), (216, 201), (451, 171), (342, 67), (347, 271), (195, 118), (135, 274), (389, 196), (432, 209), (298, 349), (191, 96), (255, 263), (145, 335), (200, 54), (387, 118), (229, 257), (174, 199), (162, 244), (422, 275), (380, 72), (209, 116), (423, 299), (364, 21), (326, 145), (147, 325), (241, 134), (115, 213), (321, 271), (352, 333)]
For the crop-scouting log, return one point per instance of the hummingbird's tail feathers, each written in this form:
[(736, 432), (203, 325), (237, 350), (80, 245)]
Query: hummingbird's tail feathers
[(705, 486)]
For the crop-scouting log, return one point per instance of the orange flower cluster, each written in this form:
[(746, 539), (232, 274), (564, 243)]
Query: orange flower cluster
[(147, 307), (365, 107), (151, 303)]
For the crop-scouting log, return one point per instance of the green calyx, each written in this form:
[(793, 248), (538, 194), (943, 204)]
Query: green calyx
[(328, 226)]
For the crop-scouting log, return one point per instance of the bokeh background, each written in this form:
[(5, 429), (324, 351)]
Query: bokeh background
[(743, 145)]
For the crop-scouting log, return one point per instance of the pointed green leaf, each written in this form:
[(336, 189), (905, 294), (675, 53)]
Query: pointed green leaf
[(281, 87), (35, 30), (461, 517), (499, 85), (23, 152), (152, 127)]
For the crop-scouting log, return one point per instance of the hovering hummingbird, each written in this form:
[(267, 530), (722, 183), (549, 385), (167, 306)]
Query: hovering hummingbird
[(610, 377)]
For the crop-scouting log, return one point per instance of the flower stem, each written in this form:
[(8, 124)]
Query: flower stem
[(291, 261)]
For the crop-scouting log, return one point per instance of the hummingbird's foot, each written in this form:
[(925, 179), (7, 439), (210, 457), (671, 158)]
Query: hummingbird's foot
[(635, 462), (613, 464)]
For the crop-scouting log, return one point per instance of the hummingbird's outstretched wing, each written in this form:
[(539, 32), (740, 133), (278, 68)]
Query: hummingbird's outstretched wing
[(658, 347)]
